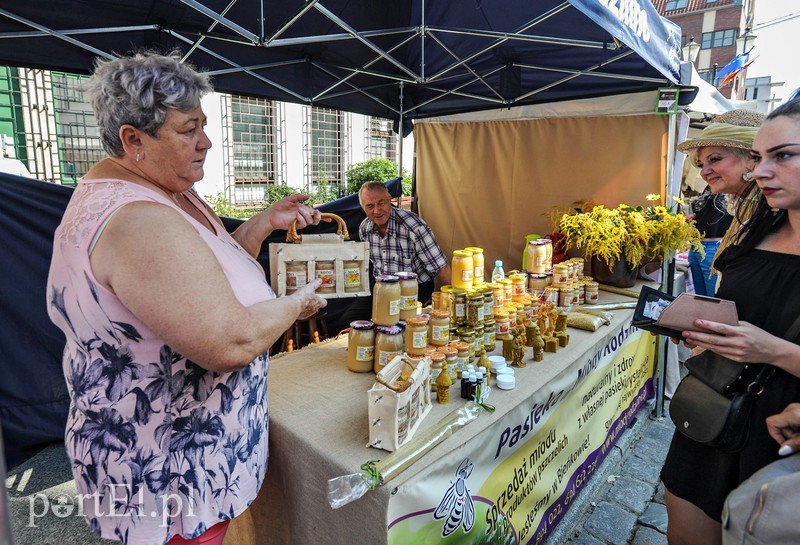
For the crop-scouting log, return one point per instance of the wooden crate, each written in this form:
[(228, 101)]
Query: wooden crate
[(311, 249)]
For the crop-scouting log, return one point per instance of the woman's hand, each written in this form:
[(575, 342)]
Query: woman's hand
[(785, 429), (285, 211), (745, 343), (310, 302)]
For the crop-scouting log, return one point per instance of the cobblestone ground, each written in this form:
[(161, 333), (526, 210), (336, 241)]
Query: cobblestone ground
[(624, 504)]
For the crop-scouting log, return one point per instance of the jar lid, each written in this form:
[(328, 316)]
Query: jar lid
[(462, 253), (507, 370), (494, 285), (504, 280), (463, 331), (447, 350), (474, 250), (386, 278), (500, 314), (538, 276), (458, 291), (389, 329), (439, 314), (437, 357), (419, 319), (446, 289), (362, 324), (539, 242), (505, 382), (461, 346), (405, 275)]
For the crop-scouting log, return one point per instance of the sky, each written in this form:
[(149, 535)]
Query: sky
[(776, 44)]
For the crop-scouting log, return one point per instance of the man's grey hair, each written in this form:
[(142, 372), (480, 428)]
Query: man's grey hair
[(370, 186), (139, 90)]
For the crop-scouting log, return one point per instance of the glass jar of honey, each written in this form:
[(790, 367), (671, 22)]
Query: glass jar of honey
[(386, 300), (548, 246), (508, 291), (438, 365), (361, 346), (325, 271), (352, 276), (477, 265), (416, 335), (467, 335), (409, 288), (498, 298), (463, 357), (388, 344), (501, 322), (537, 282), (517, 285), (537, 256), (296, 275), (489, 335), (451, 359), (591, 292), (439, 333), (460, 306), (561, 273), (462, 269)]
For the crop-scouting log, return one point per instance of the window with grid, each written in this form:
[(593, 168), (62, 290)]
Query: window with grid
[(382, 141), (676, 4), (12, 131), (327, 145), (720, 38), (77, 135), (254, 148)]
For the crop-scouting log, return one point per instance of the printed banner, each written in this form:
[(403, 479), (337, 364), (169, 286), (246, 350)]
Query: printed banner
[(514, 483)]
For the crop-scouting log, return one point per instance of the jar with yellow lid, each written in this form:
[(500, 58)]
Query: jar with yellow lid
[(439, 331), (417, 335), (512, 316), (409, 287), (498, 297), (460, 306), (508, 291), (388, 344), (561, 274), (527, 305), (581, 292), (386, 300), (296, 275), (592, 292), (326, 272), (352, 275), (501, 322), (475, 309), (463, 357), (489, 335), (551, 294), (477, 264), (361, 346), (565, 296), (537, 256), (451, 359), (462, 269), (437, 366)]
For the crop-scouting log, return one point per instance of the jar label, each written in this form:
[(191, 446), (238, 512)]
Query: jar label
[(518, 289), (487, 308), (487, 339), (365, 353), (466, 275), (408, 302), (394, 306), (385, 356), (592, 296), (461, 363), (480, 313), (461, 310), (479, 271), (501, 328), (295, 279), (441, 333), (419, 339), (498, 300), (352, 277), (328, 277)]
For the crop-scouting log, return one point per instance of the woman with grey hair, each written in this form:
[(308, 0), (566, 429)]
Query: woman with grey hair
[(167, 318)]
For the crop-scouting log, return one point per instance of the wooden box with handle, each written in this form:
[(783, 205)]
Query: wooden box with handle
[(343, 265)]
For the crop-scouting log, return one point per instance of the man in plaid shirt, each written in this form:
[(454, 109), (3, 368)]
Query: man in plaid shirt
[(400, 240)]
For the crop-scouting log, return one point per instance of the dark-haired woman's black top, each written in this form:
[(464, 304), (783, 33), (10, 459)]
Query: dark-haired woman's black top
[(765, 287)]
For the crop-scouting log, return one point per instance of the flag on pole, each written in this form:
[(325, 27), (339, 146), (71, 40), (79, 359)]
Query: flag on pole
[(735, 64), (730, 77)]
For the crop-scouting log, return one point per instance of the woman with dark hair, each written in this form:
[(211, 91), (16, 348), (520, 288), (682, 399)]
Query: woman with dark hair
[(759, 272), (167, 318)]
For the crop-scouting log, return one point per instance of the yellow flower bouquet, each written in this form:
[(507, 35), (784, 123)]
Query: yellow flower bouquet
[(639, 234)]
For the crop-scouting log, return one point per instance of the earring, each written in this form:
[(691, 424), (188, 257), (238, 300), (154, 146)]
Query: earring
[(748, 176)]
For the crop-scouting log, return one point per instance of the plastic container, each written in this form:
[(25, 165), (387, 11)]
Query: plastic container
[(505, 382), (498, 271)]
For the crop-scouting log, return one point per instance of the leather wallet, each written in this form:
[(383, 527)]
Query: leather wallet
[(668, 315)]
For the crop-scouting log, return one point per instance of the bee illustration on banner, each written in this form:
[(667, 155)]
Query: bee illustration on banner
[(456, 505)]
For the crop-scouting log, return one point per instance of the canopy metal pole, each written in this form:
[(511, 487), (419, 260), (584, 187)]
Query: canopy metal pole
[(666, 270), (400, 136)]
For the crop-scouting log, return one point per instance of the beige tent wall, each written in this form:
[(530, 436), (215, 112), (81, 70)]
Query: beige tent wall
[(490, 183)]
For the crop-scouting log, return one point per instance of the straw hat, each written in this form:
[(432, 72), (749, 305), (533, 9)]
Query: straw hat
[(733, 129)]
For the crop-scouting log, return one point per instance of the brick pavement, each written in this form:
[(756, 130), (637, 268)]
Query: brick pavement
[(624, 502)]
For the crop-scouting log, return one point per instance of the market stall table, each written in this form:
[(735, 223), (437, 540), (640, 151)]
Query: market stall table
[(578, 399)]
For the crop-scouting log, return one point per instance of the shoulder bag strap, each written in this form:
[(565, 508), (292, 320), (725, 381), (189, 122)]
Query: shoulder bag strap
[(766, 371)]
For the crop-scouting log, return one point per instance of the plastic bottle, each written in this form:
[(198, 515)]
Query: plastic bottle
[(498, 271)]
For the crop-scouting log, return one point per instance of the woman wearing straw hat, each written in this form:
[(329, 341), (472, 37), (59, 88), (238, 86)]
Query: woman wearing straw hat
[(722, 153)]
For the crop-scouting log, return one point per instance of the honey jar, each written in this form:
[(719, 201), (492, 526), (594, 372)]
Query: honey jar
[(477, 264), (326, 272), (352, 276), (296, 275), (462, 269), (388, 344), (361, 346), (439, 332), (409, 288), (386, 300), (416, 335)]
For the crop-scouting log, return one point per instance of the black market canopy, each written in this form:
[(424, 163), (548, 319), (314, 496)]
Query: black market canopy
[(395, 59)]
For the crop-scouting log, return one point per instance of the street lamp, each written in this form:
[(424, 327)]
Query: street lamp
[(745, 41), (691, 50)]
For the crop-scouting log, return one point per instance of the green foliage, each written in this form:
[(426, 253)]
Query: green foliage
[(278, 191), (380, 169), (224, 207)]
